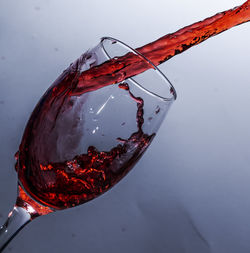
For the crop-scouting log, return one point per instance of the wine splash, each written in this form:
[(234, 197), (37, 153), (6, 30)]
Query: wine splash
[(85, 176), (70, 183)]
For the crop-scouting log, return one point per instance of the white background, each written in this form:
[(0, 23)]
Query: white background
[(191, 191)]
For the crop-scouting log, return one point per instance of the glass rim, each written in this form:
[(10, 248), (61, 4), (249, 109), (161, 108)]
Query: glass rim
[(171, 87)]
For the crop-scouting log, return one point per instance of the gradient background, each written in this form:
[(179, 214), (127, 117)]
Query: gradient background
[(190, 192)]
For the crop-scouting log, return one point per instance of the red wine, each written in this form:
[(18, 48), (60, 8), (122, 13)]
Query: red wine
[(73, 182), (161, 50), (85, 176), (32, 206)]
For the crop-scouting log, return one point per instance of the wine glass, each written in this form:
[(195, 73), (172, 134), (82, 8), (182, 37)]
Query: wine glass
[(87, 131)]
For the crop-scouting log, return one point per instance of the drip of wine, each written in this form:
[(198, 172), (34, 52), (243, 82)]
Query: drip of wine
[(65, 184)]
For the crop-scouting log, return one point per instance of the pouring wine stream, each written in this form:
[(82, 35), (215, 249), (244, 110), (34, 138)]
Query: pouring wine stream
[(111, 72), (162, 49)]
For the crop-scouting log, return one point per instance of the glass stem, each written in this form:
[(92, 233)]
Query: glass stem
[(17, 219)]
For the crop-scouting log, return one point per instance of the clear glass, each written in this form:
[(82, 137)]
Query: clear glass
[(112, 126)]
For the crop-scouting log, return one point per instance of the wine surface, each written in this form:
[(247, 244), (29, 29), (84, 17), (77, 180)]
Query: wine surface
[(85, 176)]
